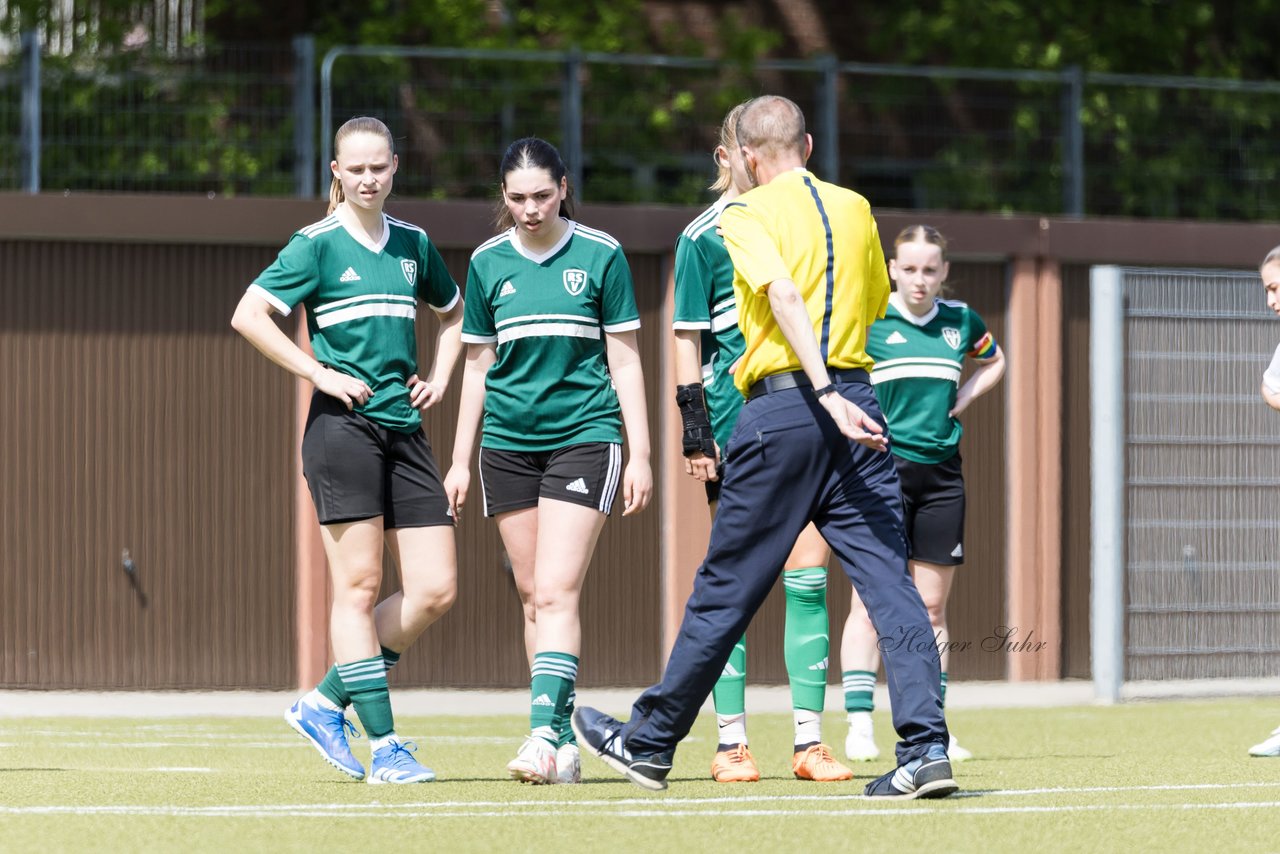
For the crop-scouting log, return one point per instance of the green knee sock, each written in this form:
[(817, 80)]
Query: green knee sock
[(730, 691), (331, 686), (944, 688), (859, 690), (806, 639), (550, 686), (366, 684), (563, 727)]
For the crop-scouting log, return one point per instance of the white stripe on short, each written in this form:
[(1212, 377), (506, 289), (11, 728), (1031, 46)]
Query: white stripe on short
[(611, 479)]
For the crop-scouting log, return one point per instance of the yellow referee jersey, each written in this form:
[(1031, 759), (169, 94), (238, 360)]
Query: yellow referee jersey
[(823, 238)]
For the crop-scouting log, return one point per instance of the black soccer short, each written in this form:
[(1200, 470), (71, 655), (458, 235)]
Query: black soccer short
[(358, 469), (586, 474), (933, 509)]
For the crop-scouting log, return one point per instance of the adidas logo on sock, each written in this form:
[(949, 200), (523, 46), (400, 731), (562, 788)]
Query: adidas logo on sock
[(821, 665), (543, 700), (507, 289), (896, 338), (579, 486), (350, 276)]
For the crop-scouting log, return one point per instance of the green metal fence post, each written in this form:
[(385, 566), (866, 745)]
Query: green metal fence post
[(31, 111), (571, 118), (304, 116)]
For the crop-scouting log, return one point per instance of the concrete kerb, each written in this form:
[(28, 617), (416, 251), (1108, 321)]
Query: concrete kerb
[(418, 701)]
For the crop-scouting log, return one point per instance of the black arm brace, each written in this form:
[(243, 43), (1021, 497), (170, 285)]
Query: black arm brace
[(697, 436)]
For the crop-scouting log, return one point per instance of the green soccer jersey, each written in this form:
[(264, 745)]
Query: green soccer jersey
[(547, 314), (362, 301), (917, 374), (705, 301)]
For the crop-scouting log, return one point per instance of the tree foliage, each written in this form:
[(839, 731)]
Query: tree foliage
[(123, 115)]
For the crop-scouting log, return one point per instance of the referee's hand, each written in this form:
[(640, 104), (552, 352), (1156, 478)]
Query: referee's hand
[(854, 423)]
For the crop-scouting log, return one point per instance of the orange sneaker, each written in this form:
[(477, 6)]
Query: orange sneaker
[(734, 765), (819, 765)]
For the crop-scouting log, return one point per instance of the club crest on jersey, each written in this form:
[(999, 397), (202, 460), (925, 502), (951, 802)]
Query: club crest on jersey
[(952, 337), (575, 281), (410, 269)]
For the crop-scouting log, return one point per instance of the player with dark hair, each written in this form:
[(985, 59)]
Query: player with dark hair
[(550, 325), (369, 467), (919, 348)]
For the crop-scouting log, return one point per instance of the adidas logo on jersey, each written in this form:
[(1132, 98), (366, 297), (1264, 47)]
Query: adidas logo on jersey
[(507, 289), (821, 665), (543, 700), (350, 276), (896, 338), (579, 486)]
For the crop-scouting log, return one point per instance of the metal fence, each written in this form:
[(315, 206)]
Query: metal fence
[(240, 120), (1184, 500)]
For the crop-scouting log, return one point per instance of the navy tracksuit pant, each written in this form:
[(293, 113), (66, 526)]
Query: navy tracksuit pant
[(787, 464)]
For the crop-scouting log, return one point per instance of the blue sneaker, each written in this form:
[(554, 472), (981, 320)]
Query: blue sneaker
[(327, 730), (603, 737), (926, 777), (394, 763)]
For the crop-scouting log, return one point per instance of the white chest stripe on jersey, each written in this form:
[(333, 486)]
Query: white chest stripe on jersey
[(532, 318), (544, 330), (915, 360), (365, 298), (372, 309), (916, 371), (721, 322)]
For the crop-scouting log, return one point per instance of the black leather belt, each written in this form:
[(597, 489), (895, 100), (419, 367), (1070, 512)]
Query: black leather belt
[(798, 379)]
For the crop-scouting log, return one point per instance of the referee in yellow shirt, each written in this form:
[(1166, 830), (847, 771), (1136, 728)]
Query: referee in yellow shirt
[(809, 445)]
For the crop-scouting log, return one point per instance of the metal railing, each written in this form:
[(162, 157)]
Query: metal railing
[(636, 128)]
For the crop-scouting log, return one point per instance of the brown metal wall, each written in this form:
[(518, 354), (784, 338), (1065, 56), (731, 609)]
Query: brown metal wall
[(133, 417), (976, 605), (479, 642), (1076, 505)]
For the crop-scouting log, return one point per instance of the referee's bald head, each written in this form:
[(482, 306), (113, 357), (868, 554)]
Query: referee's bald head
[(771, 125)]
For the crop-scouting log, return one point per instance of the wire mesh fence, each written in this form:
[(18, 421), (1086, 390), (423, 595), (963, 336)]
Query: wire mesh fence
[(243, 120), (953, 144), (1202, 470)]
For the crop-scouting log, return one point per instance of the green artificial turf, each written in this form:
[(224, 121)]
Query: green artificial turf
[(1137, 777)]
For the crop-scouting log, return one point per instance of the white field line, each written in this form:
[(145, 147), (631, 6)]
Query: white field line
[(161, 770), (654, 811), (234, 742), (215, 740), (652, 806)]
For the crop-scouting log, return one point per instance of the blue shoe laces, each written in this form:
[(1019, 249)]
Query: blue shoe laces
[(402, 752)]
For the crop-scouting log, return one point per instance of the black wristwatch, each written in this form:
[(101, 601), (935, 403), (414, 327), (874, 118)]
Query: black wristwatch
[(825, 390)]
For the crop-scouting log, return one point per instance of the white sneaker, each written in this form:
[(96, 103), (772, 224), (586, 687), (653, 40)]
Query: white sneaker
[(535, 763), (1270, 747), (860, 744), (568, 764), (956, 753)]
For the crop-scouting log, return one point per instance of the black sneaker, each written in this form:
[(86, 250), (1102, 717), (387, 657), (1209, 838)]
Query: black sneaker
[(602, 737), (926, 777)]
